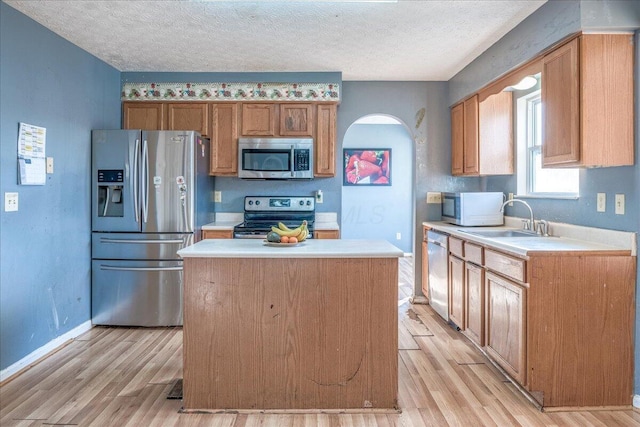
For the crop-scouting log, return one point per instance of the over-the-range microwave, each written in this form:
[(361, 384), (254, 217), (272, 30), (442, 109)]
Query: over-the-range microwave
[(275, 158), (472, 208)]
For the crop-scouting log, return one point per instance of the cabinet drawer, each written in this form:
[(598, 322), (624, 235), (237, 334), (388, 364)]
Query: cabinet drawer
[(473, 253), (455, 247), (505, 265)]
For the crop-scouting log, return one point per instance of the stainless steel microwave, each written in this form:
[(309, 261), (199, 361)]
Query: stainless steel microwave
[(472, 208), (275, 158)]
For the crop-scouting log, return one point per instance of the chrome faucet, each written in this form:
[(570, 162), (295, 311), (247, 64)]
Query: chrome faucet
[(527, 226)]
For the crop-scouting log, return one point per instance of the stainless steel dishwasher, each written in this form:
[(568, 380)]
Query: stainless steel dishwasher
[(438, 252)]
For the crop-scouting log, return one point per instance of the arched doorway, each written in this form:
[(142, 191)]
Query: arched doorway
[(380, 211)]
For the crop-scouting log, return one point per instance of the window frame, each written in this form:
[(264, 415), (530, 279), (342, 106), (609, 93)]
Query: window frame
[(527, 131)]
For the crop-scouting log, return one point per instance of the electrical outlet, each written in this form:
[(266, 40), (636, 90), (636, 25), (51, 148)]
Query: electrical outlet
[(49, 165), (319, 196), (433, 197), (10, 202), (398, 236), (217, 196), (511, 198), (619, 204), (602, 202)]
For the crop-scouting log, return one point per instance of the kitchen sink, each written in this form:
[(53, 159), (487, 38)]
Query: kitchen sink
[(501, 233)]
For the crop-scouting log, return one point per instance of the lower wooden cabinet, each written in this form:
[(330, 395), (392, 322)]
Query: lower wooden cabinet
[(474, 303), (557, 323), (425, 269), (456, 291), (505, 337), (326, 234), (217, 234)]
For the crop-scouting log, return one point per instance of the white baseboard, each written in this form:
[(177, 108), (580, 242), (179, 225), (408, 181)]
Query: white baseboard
[(636, 401), (37, 354)]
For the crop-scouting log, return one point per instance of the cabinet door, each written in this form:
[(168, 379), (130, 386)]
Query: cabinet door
[(325, 141), (474, 303), (296, 120), (457, 139), (326, 234), (217, 234), (224, 139), (143, 115), (606, 100), (425, 270), (496, 134), (456, 291), (560, 106), (471, 149), (259, 119), (188, 116), (505, 324)]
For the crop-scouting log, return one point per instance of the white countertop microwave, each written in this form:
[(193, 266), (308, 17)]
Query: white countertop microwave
[(275, 158), (472, 208)]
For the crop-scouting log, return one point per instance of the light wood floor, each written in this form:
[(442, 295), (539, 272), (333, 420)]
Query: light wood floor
[(121, 377)]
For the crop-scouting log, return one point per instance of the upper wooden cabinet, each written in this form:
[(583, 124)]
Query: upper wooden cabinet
[(495, 145), (224, 139), (143, 115), (464, 138), (225, 122), (482, 136), (187, 116), (296, 120), (259, 119), (325, 141), (587, 102)]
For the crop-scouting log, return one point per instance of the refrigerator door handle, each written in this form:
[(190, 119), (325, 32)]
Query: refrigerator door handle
[(136, 208), (113, 268), (145, 180), (142, 242)]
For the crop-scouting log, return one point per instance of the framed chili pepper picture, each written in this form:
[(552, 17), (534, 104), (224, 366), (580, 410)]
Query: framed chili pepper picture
[(370, 166)]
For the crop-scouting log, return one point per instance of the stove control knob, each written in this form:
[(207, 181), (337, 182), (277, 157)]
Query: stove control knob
[(250, 202), (308, 202), (301, 202), (257, 202)]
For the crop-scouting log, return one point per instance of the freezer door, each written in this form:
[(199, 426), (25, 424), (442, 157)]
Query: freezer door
[(136, 293), (145, 246), (168, 181), (115, 192)]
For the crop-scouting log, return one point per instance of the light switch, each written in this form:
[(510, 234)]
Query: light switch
[(602, 202), (10, 202), (217, 196), (619, 204), (49, 164)]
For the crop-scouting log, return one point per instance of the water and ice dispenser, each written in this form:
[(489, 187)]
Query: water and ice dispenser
[(110, 187)]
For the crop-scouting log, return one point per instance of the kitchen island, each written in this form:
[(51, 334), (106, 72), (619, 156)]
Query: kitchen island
[(305, 327)]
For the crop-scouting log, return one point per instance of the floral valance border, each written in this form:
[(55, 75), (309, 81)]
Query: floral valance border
[(231, 92)]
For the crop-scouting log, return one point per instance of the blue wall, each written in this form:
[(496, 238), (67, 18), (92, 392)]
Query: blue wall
[(549, 24), (45, 246)]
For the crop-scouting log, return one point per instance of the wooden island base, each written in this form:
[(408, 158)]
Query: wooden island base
[(290, 333)]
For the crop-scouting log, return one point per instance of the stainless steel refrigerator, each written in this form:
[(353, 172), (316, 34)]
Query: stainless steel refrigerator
[(151, 194)]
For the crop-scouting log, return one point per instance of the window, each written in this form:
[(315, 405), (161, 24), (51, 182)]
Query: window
[(532, 179)]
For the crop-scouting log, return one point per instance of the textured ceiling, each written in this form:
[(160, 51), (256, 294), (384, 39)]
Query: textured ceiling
[(408, 40)]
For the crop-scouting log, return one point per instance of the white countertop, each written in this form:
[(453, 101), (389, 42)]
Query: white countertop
[(226, 221), (563, 239), (321, 248)]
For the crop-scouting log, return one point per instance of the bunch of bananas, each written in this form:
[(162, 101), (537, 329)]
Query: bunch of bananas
[(300, 233)]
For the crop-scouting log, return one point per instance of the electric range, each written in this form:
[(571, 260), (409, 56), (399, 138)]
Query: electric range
[(262, 212)]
